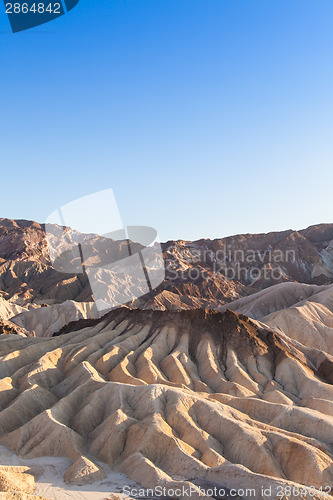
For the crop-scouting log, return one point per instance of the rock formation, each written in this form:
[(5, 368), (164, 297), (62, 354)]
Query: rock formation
[(207, 380), (169, 397), (205, 273), (45, 321)]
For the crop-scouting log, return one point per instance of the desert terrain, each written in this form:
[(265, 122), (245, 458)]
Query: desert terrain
[(216, 378)]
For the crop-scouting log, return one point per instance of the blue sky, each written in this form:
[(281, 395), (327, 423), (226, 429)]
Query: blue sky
[(206, 117)]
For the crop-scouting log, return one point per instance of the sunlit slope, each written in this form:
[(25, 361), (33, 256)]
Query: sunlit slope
[(167, 397)]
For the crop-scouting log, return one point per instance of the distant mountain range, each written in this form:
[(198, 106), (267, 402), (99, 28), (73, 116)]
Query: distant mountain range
[(204, 273)]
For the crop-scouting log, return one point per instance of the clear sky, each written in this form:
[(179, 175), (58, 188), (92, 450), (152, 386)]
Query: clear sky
[(206, 117)]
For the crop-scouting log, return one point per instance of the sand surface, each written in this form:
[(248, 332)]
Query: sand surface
[(52, 486)]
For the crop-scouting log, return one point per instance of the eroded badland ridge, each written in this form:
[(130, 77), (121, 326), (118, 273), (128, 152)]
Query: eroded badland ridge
[(201, 382)]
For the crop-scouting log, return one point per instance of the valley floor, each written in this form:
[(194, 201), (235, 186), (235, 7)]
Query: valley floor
[(51, 486)]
